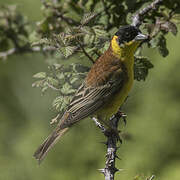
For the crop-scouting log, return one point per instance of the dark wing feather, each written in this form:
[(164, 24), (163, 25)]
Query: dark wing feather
[(89, 99)]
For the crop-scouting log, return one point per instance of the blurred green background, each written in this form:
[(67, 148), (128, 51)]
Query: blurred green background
[(153, 126)]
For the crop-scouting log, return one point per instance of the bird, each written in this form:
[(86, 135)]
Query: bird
[(104, 89)]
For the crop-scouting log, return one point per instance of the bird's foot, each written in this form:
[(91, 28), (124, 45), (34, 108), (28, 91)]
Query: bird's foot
[(122, 115), (113, 132)]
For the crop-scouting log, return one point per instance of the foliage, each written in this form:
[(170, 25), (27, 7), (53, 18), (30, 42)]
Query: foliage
[(63, 79), (141, 68), (14, 31), (82, 28), (85, 28)]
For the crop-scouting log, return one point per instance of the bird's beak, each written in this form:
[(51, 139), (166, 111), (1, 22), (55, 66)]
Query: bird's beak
[(140, 37)]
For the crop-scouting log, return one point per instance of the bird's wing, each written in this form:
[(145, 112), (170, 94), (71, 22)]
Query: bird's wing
[(89, 99)]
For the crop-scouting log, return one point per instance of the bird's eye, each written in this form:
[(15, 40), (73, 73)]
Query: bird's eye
[(127, 35)]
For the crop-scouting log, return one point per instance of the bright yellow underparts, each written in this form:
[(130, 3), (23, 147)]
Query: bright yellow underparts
[(126, 55)]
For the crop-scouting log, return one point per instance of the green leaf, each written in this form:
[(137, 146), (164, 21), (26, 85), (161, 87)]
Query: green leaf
[(176, 18), (141, 68), (153, 43), (87, 18), (169, 26), (33, 37), (40, 75), (70, 50), (60, 103), (38, 83), (67, 89), (160, 43), (44, 89), (79, 68), (85, 30), (53, 81), (40, 42), (74, 80), (99, 31), (162, 46)]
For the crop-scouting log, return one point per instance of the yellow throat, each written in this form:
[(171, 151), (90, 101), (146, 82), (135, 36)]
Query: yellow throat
[(126, 51)]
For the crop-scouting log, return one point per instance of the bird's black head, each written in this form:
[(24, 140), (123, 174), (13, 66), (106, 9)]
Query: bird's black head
[(128, 33)]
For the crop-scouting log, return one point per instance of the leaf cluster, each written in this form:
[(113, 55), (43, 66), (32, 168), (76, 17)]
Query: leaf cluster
[(141, 67), (13, 29), (166, 20), (63, 79)]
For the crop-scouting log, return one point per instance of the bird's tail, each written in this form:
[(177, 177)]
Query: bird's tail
[(50, 141)]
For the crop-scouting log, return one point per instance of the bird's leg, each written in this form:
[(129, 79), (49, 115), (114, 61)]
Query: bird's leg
[(98, 124), (114, 120), (114, 133), (111, 128)]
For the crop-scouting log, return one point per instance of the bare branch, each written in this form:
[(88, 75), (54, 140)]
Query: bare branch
[(84, 51), (138, 17), (7, 53), (25, 49)]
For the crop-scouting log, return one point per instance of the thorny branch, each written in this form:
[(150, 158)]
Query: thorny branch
[(112, 140)]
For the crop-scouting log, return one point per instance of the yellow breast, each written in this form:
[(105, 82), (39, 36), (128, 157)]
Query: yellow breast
[(118, 99), (126, 56)]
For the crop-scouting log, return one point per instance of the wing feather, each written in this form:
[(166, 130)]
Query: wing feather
[(89, 99)]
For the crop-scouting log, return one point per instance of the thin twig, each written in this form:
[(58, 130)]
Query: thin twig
[(52, 87), (151, 178), (84, 51), (26, 49), (7, 53), (138, 17)]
